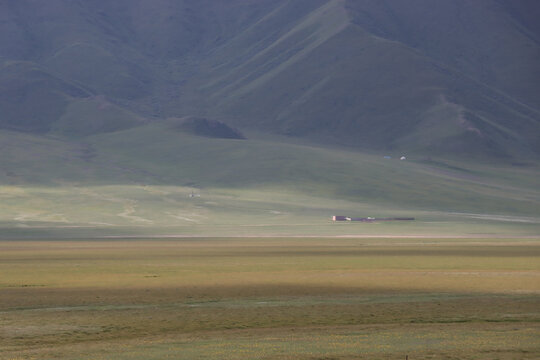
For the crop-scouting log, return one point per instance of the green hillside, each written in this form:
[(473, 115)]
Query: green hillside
[(334, 74), (439, 79), (156, 180), (32, 99)]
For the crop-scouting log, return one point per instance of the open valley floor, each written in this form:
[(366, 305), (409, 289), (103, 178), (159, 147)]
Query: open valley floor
[(270, 298)]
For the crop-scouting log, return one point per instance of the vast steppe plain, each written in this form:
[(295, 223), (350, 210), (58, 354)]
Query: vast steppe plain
[(271, 298), (225, 249)]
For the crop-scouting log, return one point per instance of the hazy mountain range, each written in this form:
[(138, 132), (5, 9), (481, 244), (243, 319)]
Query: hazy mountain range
[(435, 77)]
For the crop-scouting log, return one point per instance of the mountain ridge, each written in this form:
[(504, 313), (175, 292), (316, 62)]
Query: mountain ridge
[(445, 78)]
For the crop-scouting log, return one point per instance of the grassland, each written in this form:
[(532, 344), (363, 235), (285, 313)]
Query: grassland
[(123, 237), (270, 298), (137, 182), (155, 275)]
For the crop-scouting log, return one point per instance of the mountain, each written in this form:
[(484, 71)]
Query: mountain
[(447, 77), (267, 117)]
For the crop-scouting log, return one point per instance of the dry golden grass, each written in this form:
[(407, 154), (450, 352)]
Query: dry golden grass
[(269, 298)]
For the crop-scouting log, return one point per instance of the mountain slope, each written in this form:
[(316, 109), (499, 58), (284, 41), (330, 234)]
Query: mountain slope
[(337, 75), (31, 99), (452, 77)]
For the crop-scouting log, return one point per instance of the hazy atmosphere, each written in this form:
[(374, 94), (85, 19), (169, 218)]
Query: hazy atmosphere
[(269, 179)]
